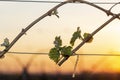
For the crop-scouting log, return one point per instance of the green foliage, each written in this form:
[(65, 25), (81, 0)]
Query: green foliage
[(54, 55), (76, 35), (85, 35), (55, 52), (57, 42), (5, 43), (66, 51), (58, 51)]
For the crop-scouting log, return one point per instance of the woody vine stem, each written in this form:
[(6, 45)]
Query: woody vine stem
[(53, 12)]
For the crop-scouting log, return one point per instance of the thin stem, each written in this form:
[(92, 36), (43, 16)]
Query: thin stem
[(114, 6), (75, 66)]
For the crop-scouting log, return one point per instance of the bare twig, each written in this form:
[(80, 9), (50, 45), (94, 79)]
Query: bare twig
[(114, 6), (75, 66)]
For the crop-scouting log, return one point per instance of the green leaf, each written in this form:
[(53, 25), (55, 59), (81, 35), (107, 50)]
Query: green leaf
[(58, 42), (85, 35), (54, 55), (5, 43), (76, 35), (66, 51)]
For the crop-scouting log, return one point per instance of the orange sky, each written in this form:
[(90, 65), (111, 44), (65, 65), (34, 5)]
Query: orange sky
[(15, 16)]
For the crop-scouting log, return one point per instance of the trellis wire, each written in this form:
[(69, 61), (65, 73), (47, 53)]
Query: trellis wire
[(42, 53), (52, 1)]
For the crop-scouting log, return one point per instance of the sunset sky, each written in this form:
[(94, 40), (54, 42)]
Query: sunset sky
[(17, 15)]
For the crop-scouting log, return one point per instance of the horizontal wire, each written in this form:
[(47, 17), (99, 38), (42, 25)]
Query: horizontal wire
[(97, 54), (31, 1), (53, 1), (40, 53), (29, 53)]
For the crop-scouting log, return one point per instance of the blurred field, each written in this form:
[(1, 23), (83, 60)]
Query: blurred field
[(82, 76)]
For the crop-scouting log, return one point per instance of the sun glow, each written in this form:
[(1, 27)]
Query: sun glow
[(40, 38)]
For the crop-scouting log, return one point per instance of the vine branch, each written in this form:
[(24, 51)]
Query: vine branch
[(29, 26), (88, 38), (114, 16)]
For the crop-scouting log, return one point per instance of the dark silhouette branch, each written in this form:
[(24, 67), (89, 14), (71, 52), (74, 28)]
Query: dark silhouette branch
[(25, 68)]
